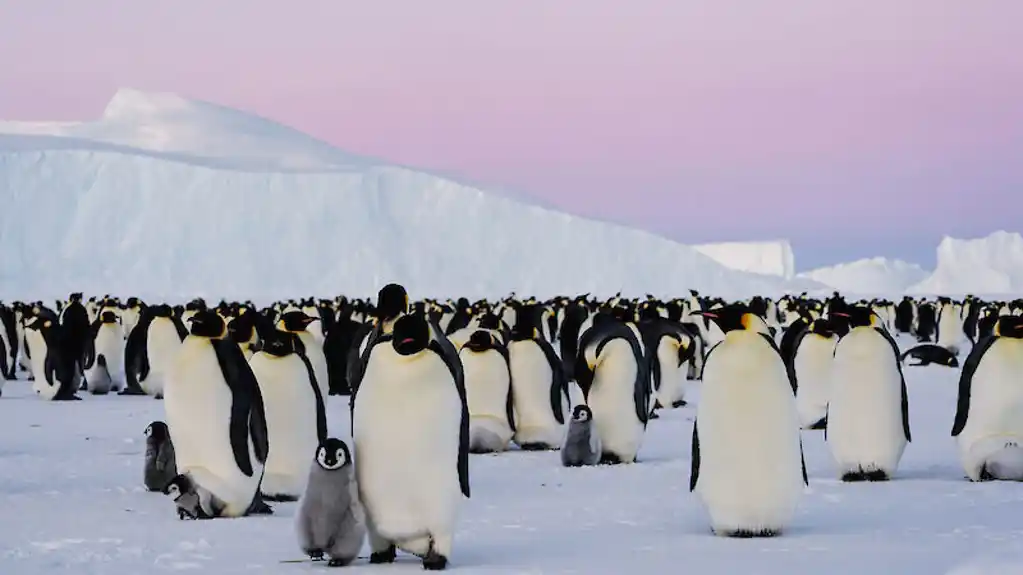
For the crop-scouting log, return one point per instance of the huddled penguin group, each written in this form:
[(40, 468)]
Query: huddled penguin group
[(431, 382)]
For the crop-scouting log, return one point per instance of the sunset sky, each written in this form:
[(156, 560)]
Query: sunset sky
[(852, 128)]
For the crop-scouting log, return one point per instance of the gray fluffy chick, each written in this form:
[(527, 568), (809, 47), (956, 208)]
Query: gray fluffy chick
[(160, 467), (330, 519), (192, 500), (582, 443)]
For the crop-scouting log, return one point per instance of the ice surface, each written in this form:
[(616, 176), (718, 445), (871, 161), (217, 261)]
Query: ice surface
[(168, 197), (874, 276), (72, 501), (988, 265), (768, 257)]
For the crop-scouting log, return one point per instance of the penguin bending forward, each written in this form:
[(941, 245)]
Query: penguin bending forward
[(747, 456), (215, 417), (988, 425), (411, 434)]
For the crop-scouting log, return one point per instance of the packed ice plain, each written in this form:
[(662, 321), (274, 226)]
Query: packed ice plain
[(72, 501)]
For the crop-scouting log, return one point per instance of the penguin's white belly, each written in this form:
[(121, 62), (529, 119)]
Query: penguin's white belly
[(37, 346), (673, 375), (163, 345), (750, 474), (290, 406), (110, 344), (407, 422), (865, 429), (995, 419), (612, 401), (314, 351), (197, 402), (486, 387), (950, 330), (813, 376), (531, 382)]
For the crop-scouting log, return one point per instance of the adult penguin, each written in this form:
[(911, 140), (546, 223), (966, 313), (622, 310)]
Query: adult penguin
[(747, 459), (53, 360), (575, 313), (216, 418), (950, 332), (298, 322), (335, 349), (988, 425), (150, 350), (76, 332), (105, 352), (905, 314), (868, 413), (296, 416), (411, 420), (539, 386), (8, 343), (669, 346), (392, 304), (489, 392), (813, 354), (612, 373)]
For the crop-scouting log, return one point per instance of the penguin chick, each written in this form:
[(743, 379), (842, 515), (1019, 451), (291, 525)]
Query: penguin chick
[(160, 466), (582, 442), (330, 518), (193, 501)]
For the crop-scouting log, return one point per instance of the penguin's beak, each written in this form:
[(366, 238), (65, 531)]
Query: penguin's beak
[(701, 313), (840, 314)]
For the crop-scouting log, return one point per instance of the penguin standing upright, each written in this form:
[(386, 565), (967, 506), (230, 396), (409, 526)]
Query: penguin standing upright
[(868, 413), (612, 372), (582, 443), (150, 350), (160, 468), (747, 459), (810, 367), (76, 334), (411, 420), (296, 414), (539, 387), (216, 418), (950, 331), (488, 390), (330, 519), (298, 322), (53, 362), (8, 343), (104, 354), (988, 425)]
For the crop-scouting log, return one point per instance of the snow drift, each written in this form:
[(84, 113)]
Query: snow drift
[(875, 276), (168, 197), (991, 265)]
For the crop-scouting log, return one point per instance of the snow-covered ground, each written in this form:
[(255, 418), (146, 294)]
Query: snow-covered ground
[(71, 501)]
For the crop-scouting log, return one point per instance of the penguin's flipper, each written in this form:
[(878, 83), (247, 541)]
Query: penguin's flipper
[(802, 458), (791, 373), (905, 395), (509, 406), (694, 469), (246, 405), (446, 350), (321, 409), (966, 383), (559, 385)]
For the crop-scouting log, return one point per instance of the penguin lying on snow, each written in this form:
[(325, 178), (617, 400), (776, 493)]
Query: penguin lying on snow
[(929, 353), (330, 517), (582, 444)]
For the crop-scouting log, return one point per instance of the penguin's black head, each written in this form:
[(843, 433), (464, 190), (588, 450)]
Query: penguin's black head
[(207, 323), (41, 324), (76, 296), (951, 361), (411, 334), (392, 301), (279, 343), (480, 340), (734, 317), (296, 321), (822, 327), (157, 431), (108, 317), (490, 321), (1009, 326), (582, 413), (333, 454), (180, 485), (161, 310), (242, 327), (853, 316)]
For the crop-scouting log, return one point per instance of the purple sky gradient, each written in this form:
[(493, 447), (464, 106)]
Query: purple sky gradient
[(852, 128)]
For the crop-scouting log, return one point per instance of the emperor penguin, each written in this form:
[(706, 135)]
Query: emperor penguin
[(298, 322), (392, 304), (330, 519), (582, 443), (104, 354), (669, 347), (193, 501), (988, 425), (411, 420), (868, 413), (160, 467), (541, 398), (489, 392), (810, 367), (296, 416), (747, 457), (216, 418), (150, 350), (8, 343), (950, 330), (53, 362), (928, 353), (612, 373)]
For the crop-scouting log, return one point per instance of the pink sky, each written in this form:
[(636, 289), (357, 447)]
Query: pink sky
[(853, 128)]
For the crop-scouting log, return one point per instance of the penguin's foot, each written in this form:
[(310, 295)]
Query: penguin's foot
[(679, 403), (876, 475), (158, 396), (535, 447), (434, 561), (315, 554), (853, 476), (821, 424), (280, 497), (130, 391), (30, 378), (653, 415), (751, 533), (386, 556), (657, 404), (610, 459), (336, 562), (259, 507)]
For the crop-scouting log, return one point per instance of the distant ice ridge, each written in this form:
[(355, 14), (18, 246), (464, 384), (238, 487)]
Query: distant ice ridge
[(874, 276), (164, 197), (769, 257), (988, 265)]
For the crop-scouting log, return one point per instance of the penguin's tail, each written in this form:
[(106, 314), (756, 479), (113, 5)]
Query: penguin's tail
[(1005, 464), (484, 437)]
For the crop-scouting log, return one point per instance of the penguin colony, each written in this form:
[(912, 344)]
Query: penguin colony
[(431, 382)]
